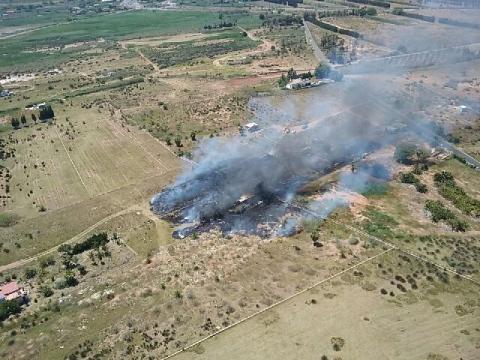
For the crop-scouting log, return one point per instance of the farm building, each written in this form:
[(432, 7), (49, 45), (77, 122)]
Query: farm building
[(12, 291), (298, 84)]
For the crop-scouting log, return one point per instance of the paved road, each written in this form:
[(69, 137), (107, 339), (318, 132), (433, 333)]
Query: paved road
[(460, 153)]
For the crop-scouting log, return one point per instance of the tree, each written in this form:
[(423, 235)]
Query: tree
[(283, 81), (70, 279), (292, 74), (46, 112), (322, 71), (15, 123), (23, 119), (34, 118), (9, 307), (178, 141), (193, 136)]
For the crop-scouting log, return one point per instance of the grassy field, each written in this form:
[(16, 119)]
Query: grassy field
[(342, 318), (80, 161)]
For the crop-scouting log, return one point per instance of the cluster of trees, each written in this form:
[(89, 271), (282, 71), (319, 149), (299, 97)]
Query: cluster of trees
[(93, 242), (448, 188), (8, 308), (325, 71), (373, 2), (280, 20), (401, 12), (409, 153), (223, 24), (333, 28), (46, 113), (23, 121), (291, 75), (333, 46), (293, 3), (363, 11), (459, 23), (439, 212)]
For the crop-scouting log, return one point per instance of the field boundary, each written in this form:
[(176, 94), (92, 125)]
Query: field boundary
[(318, 283), (71, 161)]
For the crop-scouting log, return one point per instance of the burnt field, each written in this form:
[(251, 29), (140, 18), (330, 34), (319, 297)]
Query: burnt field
[(249, 184)]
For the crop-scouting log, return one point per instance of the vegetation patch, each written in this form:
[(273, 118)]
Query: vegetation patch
[(93, 242), (439, 212), (169, 54), (8, 219), (410, 178), (448, 188)]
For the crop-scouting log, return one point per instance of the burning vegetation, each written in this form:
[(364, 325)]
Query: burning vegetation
[(248, 184)]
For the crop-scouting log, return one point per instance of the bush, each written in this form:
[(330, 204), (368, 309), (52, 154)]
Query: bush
[(46, 291), (30, 273), (408, 178), (70, 280), (46, 262), (421, 188)]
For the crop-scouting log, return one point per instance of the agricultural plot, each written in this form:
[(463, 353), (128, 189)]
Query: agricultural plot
[(64, 167), (168, 54), (25, 50), (85, 165)]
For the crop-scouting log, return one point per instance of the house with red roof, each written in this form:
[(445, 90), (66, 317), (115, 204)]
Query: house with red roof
[(12, 291)]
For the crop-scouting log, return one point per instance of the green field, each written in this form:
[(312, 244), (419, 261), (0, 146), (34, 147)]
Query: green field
[(42, 45)]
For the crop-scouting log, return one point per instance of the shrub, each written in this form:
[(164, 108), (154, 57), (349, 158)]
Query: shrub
[(70, 280), (421, 187), (46, 291), (30, 273), (408, 178), (46, 262)]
